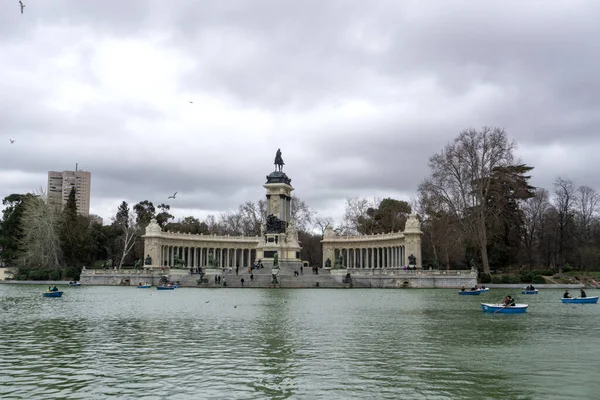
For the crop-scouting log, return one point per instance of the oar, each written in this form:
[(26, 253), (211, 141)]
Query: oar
[(573, 298), (499, 308)]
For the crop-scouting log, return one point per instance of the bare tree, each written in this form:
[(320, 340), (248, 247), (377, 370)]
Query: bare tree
[(461, 176), (322, 223), (131, 231), (212, 224), (564, 200), (587, 201), (253, 216), (439, 228), (41, 239), (356, 215), (232, 223), (302, 214), (534, 211)]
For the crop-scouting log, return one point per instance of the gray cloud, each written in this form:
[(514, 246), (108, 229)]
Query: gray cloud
[(357, 96)]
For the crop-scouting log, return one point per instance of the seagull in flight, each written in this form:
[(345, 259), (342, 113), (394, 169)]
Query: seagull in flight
[(11, 141), (22, 6), (172, 197), (191, 102)]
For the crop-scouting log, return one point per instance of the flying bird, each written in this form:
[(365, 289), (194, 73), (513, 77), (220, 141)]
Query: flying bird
[(191, 102), (11, 141), (22, 6), (172, 197)]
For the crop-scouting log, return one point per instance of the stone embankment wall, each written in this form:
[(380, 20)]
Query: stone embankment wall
[(287, 279)]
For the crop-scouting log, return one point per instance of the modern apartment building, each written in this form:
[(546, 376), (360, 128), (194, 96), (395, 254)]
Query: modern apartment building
[(59, 188)]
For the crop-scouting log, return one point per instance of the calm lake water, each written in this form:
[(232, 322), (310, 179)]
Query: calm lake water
[(99, 342)]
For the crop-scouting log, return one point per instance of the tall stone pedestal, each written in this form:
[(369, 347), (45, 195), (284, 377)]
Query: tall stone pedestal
[(279, 235)]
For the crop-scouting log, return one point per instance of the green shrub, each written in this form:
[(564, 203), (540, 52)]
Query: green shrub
[(485, 278), (55, 275), (73, 273), (510, 279), (496, 279), (538, 279), (22, 277), (37, 275), (526, 276), (567, 268)]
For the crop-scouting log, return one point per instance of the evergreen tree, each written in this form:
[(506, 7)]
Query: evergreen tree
[(122, 217)]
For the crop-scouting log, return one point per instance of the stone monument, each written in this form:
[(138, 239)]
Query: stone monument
[(412, 233), (279, 233)]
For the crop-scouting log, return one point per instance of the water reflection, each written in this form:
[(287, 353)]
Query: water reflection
[(276, 379)]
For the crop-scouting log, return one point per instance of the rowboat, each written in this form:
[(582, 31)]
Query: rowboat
[(580, 300), (470, 292), (53, 294), (75, 284), (485, 290), (530, 291), (144, 286), (165, 288), (502, 309)]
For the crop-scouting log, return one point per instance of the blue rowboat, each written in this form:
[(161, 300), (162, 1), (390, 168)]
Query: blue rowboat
[(74, 284), (502, 309), (530, 291), (176, 286), (53, 294), (144, 286), (470, 292), (165, 288), (580, 300)]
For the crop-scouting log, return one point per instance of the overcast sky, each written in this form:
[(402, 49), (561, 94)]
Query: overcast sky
[(358, 95)]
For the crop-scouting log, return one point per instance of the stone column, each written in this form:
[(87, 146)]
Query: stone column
[(362, 261), (347, 260)]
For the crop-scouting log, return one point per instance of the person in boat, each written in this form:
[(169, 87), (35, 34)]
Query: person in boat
[(55, 289), (582, 294), (482, 287), (462, 289), (531, 288), (566, 295), (473, 287), (509, 301)]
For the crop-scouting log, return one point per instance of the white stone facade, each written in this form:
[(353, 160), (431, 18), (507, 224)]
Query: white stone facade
[(389, 250), (196, 250)]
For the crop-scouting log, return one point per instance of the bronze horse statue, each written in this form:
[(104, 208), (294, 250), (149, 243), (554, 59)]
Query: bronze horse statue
[(278, 161)]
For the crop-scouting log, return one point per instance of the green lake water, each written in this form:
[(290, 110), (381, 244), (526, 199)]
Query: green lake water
[(123, 342)]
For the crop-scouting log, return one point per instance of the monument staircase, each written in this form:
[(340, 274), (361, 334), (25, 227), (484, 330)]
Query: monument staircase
[(262, 278)]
